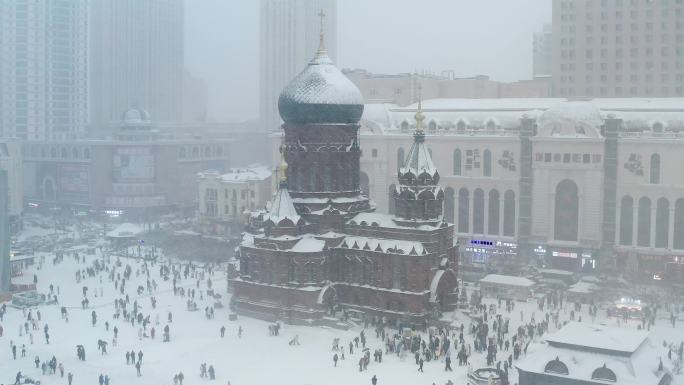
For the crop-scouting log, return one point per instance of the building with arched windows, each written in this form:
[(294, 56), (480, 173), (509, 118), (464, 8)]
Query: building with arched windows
[(589, 354), (319, 246), (569, 184), (140, 169)]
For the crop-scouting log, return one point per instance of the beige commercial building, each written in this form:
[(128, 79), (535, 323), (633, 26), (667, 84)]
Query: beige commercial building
[(225, 199), (570, 183), (618, 48), (402, 89)]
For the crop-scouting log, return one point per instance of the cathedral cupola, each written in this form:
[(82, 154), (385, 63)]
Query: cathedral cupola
[(321, 93), (419, 198)]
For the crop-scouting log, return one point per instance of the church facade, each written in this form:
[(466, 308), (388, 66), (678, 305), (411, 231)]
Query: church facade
[(319, 246)]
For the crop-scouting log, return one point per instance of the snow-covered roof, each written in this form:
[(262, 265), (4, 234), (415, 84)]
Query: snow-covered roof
[(383, 245), (585, 335), (308, 245), (282, 207), (638, 366), (321, 93), (384, 220), (507, 280), (637, 113), (419, 159), (582, 287), (125, 230), (572, 119)]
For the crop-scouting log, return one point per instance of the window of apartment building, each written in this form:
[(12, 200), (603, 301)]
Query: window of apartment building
[(618, 65), (633, 39), (634, 27), (664, 52), (577, 158), (586, 158), (557, 157), (547, 157), (251, 193), (604, 66), (604, 28), (242, 194), (603, 91), (634, 52), (604, 78), (633, 91), (374, 153), (618, 78), (649, 26), (633, 78), (589, 54), (566, 158), (588, 91), (588, 78), (618, 27), (589, 66), (618, 39)]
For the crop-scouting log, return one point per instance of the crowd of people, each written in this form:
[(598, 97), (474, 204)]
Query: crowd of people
[(492, 335)]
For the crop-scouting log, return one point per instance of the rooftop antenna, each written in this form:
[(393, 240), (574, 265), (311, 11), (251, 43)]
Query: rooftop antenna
[(321, 42)]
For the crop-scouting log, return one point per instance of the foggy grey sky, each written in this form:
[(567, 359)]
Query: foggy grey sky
[(488, 37)]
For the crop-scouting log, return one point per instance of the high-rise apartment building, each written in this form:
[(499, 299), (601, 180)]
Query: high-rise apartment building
[(622, 48), (290, 32), (43, 68), (136, 59), (542, 50)]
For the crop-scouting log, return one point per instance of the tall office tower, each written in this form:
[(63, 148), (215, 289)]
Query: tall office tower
[(136, 59), (542, 49), (618, 48), (43, 68), (4, 234), (289, 38)]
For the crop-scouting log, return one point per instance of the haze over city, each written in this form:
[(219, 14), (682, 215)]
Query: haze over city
[(336, 192), (471, 37)]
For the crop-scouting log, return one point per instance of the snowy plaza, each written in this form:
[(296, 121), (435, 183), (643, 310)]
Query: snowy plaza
[(255, 357)]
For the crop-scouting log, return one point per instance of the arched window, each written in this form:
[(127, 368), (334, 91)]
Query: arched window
[(657, 127), (86, 153), (195, 152), (655, 169), (53, 152), (662, 223), (490, 126), (644, 223), (327, 178), (626, 220), (457, 162), (311, 272), (556, 367), (365, 184), (65, 153), (567, 211), (604, 374), (365, 273), (404, 126), (292, 272), (478, 211), (74, 153), (244, 266), (449, 204), (182, 153), (461, 127), (207, 151), (396, 275), (312, 178), (509, 214), (400, 157), (487, 163), (679, 224), (493, 219), (463, 210), (432, 126), (391, 202)]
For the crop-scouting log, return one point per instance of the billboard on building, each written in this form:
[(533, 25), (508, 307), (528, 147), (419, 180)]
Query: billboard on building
[(133, 163), (74, 183)]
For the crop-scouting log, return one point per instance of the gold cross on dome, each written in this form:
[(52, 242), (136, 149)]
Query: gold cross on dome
[(321, 43)]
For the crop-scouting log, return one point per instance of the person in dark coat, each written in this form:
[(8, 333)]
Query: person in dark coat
[(374, 380), (420, 367)]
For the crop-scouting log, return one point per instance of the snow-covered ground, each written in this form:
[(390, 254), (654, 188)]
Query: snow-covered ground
[(254, 359)]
